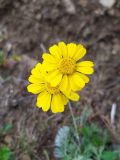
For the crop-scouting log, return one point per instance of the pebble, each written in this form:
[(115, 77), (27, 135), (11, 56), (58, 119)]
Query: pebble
[(107, 3), (70, 7), (26, 157), (38, 16), (83, 3), (8, 139)]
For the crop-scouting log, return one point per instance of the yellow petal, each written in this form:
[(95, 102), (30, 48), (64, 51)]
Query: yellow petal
[(64, 99), (80, 52), (54, 78), (37, 69), (64, 85), (35, 89), (49, 66), (44, 100), (37, 75), (85, 70), (36, 80), (85, 64), (62, 46), (73, 96), (55, 51), (84, 77), (57, 104), (76, 82), (49, 58), (71, 49)]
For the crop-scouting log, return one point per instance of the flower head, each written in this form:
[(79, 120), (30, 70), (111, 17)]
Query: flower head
[(64, 66), (61, 74), (48, 96)]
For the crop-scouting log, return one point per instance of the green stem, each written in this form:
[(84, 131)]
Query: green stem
[(46, 154), (74, 122)]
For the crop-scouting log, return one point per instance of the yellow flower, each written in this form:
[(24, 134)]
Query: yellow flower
[(63, 66), (48, 96)]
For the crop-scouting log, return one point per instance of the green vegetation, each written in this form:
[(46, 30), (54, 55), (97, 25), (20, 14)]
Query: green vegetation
[(2, 57), (5, 153), (5, 129), (94, 142)]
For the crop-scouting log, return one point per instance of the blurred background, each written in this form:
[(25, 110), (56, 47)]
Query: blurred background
[(27, 29)]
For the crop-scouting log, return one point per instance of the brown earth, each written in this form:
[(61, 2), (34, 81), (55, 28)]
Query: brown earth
[(29, 27)]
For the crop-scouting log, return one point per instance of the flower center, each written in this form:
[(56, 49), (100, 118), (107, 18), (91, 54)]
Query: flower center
[(67, 66), (52, 90)]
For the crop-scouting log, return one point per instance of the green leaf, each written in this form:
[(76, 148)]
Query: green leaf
[(61, 141), (5, 129), (97, 140), (86, 131), (2, 57), (5, 153), (80, 157), (109, 155)]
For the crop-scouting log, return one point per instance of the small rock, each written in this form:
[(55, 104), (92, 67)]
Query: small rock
[(8, 139), (8, 46), (38, 16), (107, 3), (26, 157), (111, 12), (3, 33), (83, 3), (70, 7), (116, 49)]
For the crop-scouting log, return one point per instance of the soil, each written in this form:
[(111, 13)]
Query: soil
[(27, 29)]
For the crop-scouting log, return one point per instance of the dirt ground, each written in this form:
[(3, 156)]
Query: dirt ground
[(27, 29)]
